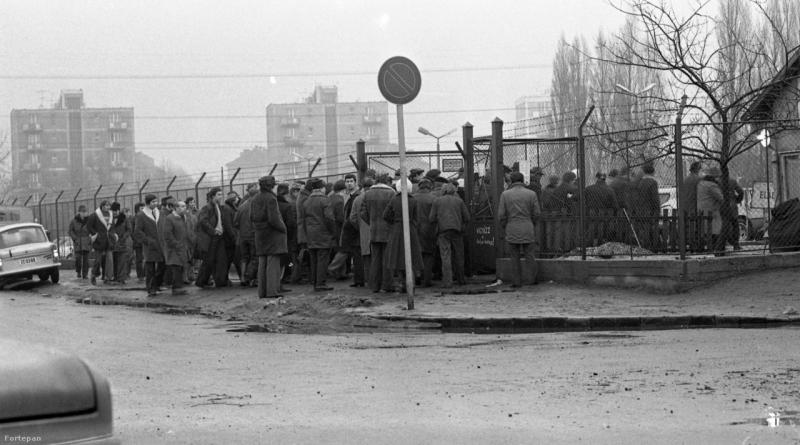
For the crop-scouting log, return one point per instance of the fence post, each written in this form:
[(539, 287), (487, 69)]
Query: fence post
[(273, 169), (117, 192), (197, 190), (582, 184), (233, 178), (28, 200), (75, 200), (96, 192), (170, 185), (58, 224), (361, 158), (498, 181), (141, 189), (41, 221), (469, 164), (311, 172), (14, 201), (679, 180)]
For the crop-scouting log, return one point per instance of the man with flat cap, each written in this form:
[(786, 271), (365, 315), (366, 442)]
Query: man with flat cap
[(270, 237)]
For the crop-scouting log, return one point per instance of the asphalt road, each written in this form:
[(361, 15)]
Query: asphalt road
[(185, 379)]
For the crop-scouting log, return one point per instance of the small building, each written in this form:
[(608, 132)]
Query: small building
[(778, 108), (70, 146)]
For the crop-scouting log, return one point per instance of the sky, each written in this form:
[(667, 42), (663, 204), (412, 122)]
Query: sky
[(200, 74)]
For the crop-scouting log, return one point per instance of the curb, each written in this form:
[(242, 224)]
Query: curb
[(582, 324)]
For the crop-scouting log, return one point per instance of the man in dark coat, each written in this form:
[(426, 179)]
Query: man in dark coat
[(318, 220), (232, 238), (518, 213), (375, 201), (599, 196), (246, 237), (450, 216), (98, 224), (395, 248), (566, 194), (301, 250), (426, 228), (81, 242), (211, 233), (338, 267), (536, 181), (147, 234), (137, 246), (620, 183), (270, 236), (350, 240), (120, 237), (289, 216), (176, 246), (689, 190), (645, 203)]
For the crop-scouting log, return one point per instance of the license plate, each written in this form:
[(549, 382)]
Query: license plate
[(27, 260)]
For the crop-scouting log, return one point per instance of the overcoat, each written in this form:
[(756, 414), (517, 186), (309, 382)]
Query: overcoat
[(268, 225), (375, 201), (350, 229), (96, 226), (176, 240), (395, 249), (710, 200), (146, 233), (80, 234), (318, 220), (363, 226), (425, 227), (518, 212)]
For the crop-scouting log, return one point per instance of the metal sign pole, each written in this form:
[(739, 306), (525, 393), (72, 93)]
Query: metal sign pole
[(401, 141)]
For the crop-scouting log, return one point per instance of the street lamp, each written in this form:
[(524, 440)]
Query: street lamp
[(424, 131)]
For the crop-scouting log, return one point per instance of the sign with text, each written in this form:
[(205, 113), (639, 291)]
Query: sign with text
[(452, 164), (761, 199)]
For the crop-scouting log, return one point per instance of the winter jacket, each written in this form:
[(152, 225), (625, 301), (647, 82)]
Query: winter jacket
[(80, 234), (176, 240), (363, 226), (518, 212), (289, 216), (242, 223), (375, 201), (268, 225), (317, 217), (395, 248), (146, 233), (98, 227), (426, 228), (449, 213), (710, 200)]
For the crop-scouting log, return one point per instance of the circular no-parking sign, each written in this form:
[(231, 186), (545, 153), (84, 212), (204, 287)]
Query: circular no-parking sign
[(399, 80)]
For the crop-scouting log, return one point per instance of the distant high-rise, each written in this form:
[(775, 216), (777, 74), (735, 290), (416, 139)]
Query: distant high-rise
[(323, 127), (70, 146), (529, 110)]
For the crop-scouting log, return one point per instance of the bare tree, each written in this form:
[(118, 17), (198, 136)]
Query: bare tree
[(718, 61), (569, 92)]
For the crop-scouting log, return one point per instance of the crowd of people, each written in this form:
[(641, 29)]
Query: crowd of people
[(300, 232), (312, 231)]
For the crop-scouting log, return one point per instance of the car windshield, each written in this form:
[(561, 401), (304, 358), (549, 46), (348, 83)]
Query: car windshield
[(20, 236)]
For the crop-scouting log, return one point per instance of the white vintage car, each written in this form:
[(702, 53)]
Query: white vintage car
[(25, 251)]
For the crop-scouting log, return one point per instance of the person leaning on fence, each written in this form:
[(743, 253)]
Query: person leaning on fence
[(146, 233), (81, 242), (211, 241), (98, 225), (426, 229), (318, 220), (450, 216), (710, 201), (246, 237), (270, 238), (176, 246), (518, 213)]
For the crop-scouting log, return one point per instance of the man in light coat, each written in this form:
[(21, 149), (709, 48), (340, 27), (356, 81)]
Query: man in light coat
[(710, 201), (518, 213)]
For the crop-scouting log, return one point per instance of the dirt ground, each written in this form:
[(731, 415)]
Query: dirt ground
[(186, 380)]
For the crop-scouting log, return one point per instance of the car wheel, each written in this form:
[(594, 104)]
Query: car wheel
[(54, 275), (43, 276)]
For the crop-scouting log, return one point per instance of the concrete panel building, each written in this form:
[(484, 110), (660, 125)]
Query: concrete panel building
[(323, 127), (70, 146)]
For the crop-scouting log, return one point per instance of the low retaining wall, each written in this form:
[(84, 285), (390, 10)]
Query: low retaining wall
[(661, 275)]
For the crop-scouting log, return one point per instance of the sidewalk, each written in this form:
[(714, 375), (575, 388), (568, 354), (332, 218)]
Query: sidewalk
[(754, 299)]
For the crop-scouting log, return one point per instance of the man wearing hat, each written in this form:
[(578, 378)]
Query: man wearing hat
[(81, 242), (270, 237), (317, 218)]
